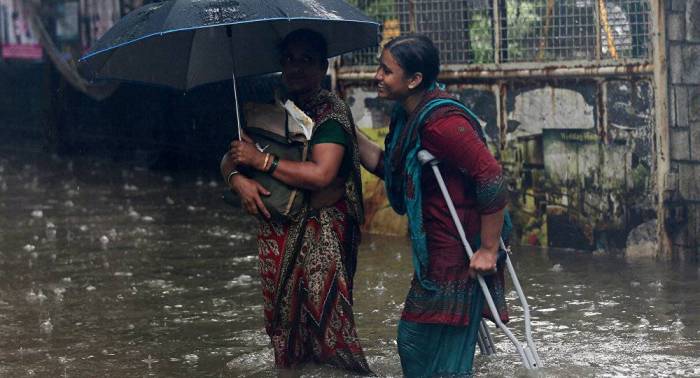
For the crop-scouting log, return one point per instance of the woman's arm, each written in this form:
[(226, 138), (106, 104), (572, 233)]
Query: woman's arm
[(484, 260), (315, 174), (226, 167), (248, 189), (371, 155)]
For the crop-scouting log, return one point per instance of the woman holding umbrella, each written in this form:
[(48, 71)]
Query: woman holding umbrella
[(440, 321), (307, 263)]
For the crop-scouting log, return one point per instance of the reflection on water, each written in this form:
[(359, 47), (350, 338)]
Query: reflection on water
[(118, 270)]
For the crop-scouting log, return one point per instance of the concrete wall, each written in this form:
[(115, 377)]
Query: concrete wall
[(578, 154), (683, 196)]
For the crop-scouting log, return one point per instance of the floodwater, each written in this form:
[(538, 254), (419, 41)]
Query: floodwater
[(115, 270)]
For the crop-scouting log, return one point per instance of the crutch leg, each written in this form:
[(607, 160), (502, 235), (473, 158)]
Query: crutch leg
[(487, 339), (480, 341), (526, 309)]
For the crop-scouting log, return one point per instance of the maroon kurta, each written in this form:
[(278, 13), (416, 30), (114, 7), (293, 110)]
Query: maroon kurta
[(475, 183)]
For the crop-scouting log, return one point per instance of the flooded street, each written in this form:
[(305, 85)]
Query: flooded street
[(117, 270)]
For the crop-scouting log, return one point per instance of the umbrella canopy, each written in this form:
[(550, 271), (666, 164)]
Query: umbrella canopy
[(186, 43)]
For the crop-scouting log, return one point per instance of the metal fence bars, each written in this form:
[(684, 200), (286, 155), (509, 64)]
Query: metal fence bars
[(510, 31)]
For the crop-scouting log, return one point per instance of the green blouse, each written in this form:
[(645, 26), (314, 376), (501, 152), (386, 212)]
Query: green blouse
[(332, 131)]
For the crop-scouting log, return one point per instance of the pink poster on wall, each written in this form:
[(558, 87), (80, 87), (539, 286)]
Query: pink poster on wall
[(16, 36), (98, 16)]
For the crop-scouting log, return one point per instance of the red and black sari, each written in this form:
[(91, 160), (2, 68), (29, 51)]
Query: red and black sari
[(307, 267)]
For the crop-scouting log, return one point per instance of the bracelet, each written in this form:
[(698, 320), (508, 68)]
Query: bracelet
[(273, 166), (267, 158), (231, 174)]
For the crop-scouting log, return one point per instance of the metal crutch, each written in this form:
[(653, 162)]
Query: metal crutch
[(484, 340), (528, 352)]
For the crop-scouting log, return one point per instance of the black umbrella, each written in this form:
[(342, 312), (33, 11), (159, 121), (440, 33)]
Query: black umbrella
[(185, 43)]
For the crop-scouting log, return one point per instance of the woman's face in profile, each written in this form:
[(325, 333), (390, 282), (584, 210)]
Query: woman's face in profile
[(302, 68), (392, 82)]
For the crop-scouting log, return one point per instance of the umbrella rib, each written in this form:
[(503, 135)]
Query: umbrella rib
[(189, 61)]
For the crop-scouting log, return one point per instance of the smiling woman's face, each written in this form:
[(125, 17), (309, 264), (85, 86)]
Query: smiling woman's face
[(392, 83), (303, 68)]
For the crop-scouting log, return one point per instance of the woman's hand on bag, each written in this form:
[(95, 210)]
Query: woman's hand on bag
[(483, 262), (245, 153), (250, 192)]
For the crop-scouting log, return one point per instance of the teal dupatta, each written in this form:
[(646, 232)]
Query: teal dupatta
[(405, 194)]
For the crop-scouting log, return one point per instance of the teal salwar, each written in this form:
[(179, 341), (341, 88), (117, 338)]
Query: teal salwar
[(440, 350)]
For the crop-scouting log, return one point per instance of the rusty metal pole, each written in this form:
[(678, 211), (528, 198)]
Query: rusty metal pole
[(545, 30), (518, 71), (598, 42), (496, 32), (412, 24), (610, 38), (499, 42), (663, 149), (501, 114)]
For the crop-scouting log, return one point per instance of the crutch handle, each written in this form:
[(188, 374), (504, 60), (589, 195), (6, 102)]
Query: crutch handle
[(425, 157)]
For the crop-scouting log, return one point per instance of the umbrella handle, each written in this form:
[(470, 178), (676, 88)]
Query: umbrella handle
[(235, 102), (229, 34)]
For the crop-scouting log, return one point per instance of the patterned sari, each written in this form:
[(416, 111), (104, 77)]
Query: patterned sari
[(307, 267)]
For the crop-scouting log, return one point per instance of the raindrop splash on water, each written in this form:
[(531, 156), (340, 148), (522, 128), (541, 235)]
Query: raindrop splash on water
[(58, 292), (50, 231), (133, 214), (191, 358), (104, 241), (242, 280), (46, 326), (149, 361)]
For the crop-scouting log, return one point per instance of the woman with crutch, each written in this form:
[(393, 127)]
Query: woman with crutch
[(443, 310)]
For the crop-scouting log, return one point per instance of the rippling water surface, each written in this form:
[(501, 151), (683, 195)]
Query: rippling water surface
[(116, 270)]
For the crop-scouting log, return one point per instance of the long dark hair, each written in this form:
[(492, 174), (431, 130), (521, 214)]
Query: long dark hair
[(416, 53)]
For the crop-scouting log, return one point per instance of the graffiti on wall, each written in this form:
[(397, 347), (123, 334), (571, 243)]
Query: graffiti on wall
[(593, 184), (371, 116)]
